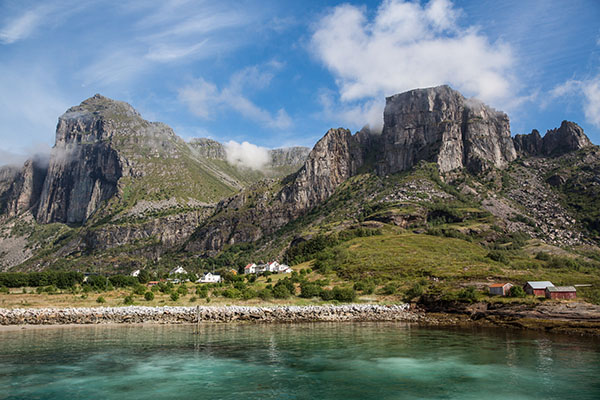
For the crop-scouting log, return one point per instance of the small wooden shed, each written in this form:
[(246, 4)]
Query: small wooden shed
[(561, 292), (500, 289), (537, 288)]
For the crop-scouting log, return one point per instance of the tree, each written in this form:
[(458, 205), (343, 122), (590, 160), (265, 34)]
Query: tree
[(174, 296), (128, 300), (281, 292), (517, 291), (149, 296), (143, 277)]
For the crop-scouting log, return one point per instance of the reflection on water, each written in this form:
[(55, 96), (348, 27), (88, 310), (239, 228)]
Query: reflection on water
[(302, 361)]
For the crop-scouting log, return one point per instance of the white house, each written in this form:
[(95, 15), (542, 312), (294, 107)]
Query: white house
[(209, 278), (273, 266), (135, 273), (284, 269), (178, 270), (250, 269), (261, 268)]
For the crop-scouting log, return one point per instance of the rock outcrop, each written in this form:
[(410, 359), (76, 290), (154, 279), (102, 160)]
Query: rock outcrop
[(439, 125), (20, 189), (556, 142), (261, 210)]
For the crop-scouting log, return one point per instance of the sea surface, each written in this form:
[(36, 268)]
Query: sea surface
[(301, 361)]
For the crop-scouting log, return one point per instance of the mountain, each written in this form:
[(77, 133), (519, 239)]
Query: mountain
[(114, 179), (120, 192)]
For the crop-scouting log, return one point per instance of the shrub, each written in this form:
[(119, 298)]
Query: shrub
[(154, 289), (231, 293), (517, 291), (389, 289), (208, 299), (128, 300), (265, 294), (193, 299), (123, 280), (100, 300), (415, 291), (149, 296), (5, 290), (139, 290), (182, 290), (498, 256), (326, 294), (344, 294), (174, 296), (248, 294), (542, 256), (468, 294), (365, 287), (97, 282), (308, 290), (202, 291), (281, 292)]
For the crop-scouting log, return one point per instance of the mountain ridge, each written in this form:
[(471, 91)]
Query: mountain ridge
[(120, 188)]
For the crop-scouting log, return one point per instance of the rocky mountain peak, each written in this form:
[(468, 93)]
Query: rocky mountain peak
[(438, 124), (568, 137)]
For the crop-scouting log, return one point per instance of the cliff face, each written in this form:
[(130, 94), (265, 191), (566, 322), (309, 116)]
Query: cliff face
[(261, 209), (84, 166), (438, 124), (20, 189), (568, 137)]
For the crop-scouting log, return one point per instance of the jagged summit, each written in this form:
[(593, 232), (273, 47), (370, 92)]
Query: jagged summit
[(569, 137)]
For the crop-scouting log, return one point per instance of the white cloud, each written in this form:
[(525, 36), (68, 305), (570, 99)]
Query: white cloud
[(205, 99), (589, 92), (247, 155), (21, 27), (591, 106), (408, 45)]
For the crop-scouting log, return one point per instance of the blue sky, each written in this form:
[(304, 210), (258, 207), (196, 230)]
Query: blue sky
[(279, 73)]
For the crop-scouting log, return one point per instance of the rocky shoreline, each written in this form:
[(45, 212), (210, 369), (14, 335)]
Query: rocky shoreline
[(181, 315)]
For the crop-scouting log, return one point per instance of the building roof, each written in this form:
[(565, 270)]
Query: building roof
[(561, 289), (540, 284), (499, 284)]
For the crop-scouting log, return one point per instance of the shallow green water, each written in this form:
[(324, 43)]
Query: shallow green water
[(307, 361)]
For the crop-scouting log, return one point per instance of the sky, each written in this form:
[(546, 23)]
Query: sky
[(281, 73)]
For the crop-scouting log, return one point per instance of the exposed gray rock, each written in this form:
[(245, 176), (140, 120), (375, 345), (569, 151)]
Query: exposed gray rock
[(209, 148), (569, 137), (179, 315), (259, 211), (20, 189), (288, 156), (439, 125)]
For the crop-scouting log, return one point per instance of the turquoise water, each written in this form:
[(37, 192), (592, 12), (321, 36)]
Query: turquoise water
[(306, 361)]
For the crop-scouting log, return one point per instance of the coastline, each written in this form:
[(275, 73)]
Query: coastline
[(216, 314), (547, 318)]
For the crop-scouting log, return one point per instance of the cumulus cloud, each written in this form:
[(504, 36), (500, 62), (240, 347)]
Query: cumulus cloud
[(407, 45), (247, 155), (205, 99), (589, 92)]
